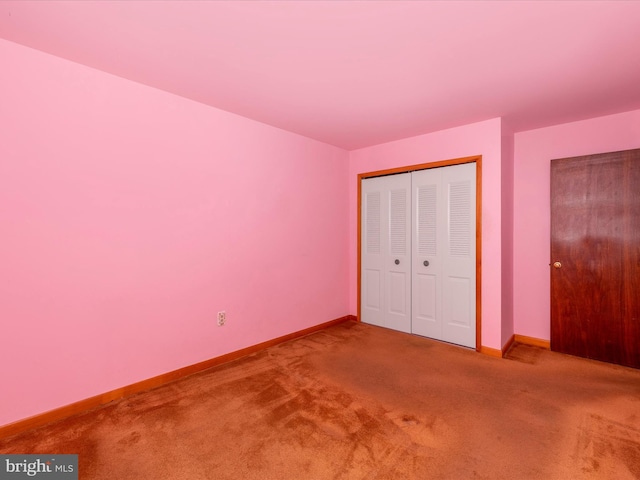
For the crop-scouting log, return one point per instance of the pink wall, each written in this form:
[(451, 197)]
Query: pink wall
[(533, 152), (507, 238), (482, 138), (130, 216)]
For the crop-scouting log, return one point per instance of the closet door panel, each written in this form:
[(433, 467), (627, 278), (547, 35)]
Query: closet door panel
[(424, 304), (386, 251), (427, 219), (398, 252), (372, 275), (459, 259)]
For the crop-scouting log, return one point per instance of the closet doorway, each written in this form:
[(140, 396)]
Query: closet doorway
[(419, 250)]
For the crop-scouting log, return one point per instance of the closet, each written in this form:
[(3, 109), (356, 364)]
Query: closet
[(418, 252)]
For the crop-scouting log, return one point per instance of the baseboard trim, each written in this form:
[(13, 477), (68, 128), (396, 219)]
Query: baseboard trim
[(492, 352), (508, 345), (98, 400), (534, 342)]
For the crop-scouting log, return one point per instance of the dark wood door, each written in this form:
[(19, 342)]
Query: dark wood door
[(595, 257)]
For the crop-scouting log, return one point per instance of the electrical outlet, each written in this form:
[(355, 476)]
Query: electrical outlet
[(222, 317)]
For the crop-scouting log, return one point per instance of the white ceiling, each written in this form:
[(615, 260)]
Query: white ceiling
[(357, 73)]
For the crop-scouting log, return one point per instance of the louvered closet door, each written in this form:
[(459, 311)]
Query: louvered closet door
[(428, 220), (385, 284), (444, 254)]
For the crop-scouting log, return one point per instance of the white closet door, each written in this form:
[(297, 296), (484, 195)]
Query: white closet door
[(386, 252), (371, 252), (429, 225), (459, 267), (443, 251), (459, 262)]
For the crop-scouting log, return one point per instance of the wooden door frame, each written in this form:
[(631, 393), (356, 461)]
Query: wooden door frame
[(424, 166)]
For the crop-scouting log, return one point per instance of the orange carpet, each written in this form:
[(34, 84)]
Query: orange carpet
[(361, 402)]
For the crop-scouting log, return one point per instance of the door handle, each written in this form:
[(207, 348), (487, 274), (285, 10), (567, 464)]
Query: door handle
[(426, 263), (397, 262), (557, 265)]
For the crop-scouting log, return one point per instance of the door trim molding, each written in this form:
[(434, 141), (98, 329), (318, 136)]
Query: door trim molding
[(532, 341), (477, 159)]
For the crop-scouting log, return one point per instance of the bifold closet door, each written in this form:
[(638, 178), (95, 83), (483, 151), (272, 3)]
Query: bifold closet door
[(385, 283), (444, 254)]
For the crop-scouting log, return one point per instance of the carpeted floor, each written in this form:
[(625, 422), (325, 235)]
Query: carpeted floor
[(360, 402)]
